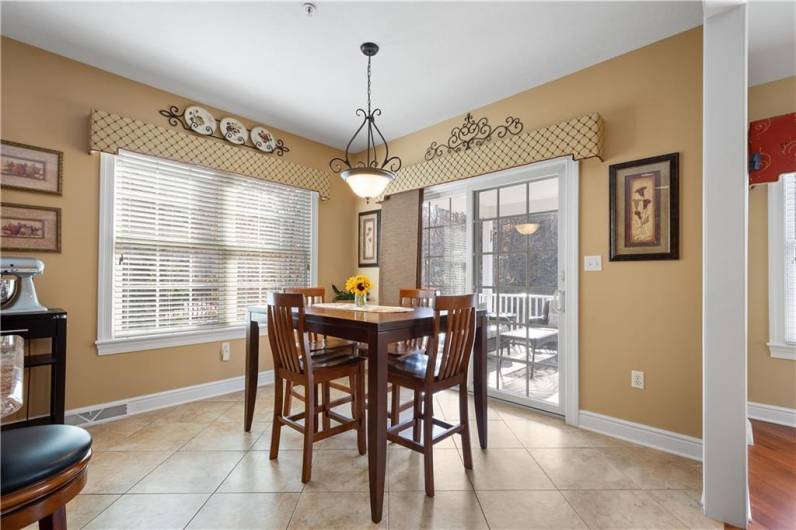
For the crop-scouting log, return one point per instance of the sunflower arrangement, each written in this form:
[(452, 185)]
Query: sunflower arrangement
[(358, 285)]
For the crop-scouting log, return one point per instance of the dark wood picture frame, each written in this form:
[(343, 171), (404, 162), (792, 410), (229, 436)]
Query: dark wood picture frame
[(60, 176), (615, 216), (362, 261), (56, 211)]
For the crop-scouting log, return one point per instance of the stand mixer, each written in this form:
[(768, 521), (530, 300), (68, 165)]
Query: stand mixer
[(16, 287)]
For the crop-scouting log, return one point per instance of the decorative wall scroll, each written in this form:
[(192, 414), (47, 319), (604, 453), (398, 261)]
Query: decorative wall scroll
[(30, 168), (473, 133), (645, 209), (110, 132), (580, 137), (200, 121)]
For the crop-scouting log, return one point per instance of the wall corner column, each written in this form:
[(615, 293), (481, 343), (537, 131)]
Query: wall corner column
[(724, 268)]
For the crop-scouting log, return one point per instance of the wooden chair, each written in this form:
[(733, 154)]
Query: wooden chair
[(294, 364), (433, 373), (409, 298), (322, 344)]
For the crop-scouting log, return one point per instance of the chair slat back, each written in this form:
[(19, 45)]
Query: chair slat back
[(312, 296), (287, 339), (459, 336), (416, 298)]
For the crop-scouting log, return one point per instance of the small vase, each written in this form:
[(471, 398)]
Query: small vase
[(360, 300)]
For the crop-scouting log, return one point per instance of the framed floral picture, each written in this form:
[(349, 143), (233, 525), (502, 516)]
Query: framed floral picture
[(645, 209), (29, 168), (369, 234), (32, 228)]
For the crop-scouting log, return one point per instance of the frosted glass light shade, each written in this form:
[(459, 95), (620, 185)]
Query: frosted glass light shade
[(527, 229), (367, 182)]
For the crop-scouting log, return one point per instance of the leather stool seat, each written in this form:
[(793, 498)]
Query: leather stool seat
[(31, 454)]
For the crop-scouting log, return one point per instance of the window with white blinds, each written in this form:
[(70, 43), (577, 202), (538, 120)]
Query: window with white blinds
[(193, 247), (789, 210), (782, 267)]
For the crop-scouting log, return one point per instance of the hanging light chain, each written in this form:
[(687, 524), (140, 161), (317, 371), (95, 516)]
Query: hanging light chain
[(369, 84)]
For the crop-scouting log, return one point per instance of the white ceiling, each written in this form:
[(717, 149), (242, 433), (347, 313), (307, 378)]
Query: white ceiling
[(273, 64), (772, 41)]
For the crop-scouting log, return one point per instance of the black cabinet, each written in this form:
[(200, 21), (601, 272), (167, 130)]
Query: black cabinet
[(46, 324)]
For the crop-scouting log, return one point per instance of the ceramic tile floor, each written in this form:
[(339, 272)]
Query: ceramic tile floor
[(192, 466)]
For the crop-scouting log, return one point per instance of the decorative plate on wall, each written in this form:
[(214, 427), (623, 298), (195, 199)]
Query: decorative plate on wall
[(263, 139), (234, 131), (200, 120)]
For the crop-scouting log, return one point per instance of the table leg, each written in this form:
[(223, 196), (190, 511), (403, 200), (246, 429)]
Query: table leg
[(252, 369), (377, 422), (479, 379)]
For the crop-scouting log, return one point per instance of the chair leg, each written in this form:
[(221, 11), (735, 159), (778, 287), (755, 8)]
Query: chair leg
[(288, 398), (54, 521), (276, 429), (416, 415), (327, 398), (309, 432), (464, 420), (359, 399), (428, 442), (395, 410), (317, 398)]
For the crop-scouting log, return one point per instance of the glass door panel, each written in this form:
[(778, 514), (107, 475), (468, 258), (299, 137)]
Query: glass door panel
[(516, 271)]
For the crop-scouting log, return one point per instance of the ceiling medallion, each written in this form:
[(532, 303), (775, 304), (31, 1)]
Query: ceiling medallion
[(473, 133), (368, 178)]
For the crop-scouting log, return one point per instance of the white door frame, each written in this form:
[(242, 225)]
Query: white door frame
[(568, 174)]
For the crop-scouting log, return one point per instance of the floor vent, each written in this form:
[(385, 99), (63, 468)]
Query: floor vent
[(98, 415)]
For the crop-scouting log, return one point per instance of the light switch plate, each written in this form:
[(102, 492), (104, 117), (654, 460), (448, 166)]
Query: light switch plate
[(225, 351), (592, 263)]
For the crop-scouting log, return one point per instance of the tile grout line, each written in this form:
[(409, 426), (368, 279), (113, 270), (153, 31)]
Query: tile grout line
[(574, 510), (243, 455), (469, 479)]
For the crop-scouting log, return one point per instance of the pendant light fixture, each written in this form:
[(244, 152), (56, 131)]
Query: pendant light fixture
[(370, 177)]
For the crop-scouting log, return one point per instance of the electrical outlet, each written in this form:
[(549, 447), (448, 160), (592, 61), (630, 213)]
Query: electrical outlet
[(225, 351), (592, 263), (637, 379)]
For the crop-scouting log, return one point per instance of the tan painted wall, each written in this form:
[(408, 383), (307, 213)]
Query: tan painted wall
[(46, 101), (644, 315), (771, 381)]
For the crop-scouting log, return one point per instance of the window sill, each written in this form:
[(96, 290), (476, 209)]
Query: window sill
[(780, 350), (170, 340)]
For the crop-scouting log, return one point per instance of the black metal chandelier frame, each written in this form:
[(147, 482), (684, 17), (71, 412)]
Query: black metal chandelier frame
[(387, 163)]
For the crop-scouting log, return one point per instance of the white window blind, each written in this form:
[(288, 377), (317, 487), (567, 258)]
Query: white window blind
[(444, 244), (789, 209), (194, 247)]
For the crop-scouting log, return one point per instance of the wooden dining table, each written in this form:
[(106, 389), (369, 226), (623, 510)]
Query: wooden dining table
[(377, 330)]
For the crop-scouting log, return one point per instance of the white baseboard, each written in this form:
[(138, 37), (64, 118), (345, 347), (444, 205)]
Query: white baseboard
[(670, 442), (85, 416), (771, 414)]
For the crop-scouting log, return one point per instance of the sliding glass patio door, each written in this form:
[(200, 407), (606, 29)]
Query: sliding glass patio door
[(516, 276), (511, 238)]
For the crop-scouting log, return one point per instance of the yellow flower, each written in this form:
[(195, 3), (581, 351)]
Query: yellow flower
[(359, 284)]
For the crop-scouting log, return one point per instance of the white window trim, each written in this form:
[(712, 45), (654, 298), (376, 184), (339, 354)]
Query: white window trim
[(106, 344), (777, 346)]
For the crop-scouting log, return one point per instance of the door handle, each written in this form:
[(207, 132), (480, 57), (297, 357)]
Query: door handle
[(559, 299)]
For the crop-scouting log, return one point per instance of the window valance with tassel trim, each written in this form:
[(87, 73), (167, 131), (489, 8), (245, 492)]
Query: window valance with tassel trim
[(110, 132), (581, 137)]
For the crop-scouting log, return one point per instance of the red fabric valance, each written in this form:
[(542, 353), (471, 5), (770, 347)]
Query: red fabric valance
[(772, 148)]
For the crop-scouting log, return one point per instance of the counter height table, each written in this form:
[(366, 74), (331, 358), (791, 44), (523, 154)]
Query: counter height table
[(377, 330)]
